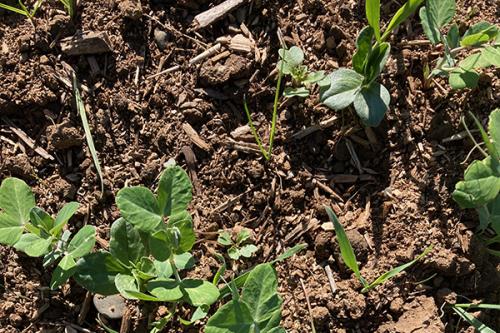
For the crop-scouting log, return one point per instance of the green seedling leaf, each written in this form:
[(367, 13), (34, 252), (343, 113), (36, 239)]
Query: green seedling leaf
[(345, 85), (491, 55), (142, 296), (395, 271), (40, 219), (15, 10), (163, 269), (160, 245), (199, 293), (232, 317), (478, 306), (63, 271), (96, 272), (83, 242), (200, 313), (290, 92), (401, 15), (345, 246), (126, 243), (479, 33), (166, 290), (243, 236), (289, 253), (16, 202), (292, 58), (453, 37), (224, 238), (146, 269), (184, 261), (174, 191), (436, 15), (139, 207), (480, 186), (494, 129), (371, 104), (234, 253), (184, 224), (473, 321), (364, 47), (33, 245), (248, 250), (80, 106), (373, 16), (314, 77), (124, 284), (64, 215), (460, 79), (376, 62)]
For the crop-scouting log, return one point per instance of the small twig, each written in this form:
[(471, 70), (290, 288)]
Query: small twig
[(125, 326), (26, 139), (308, 306), (331, 280), (216, 13), (85, 308)]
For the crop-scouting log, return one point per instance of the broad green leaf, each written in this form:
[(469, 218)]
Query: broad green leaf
[(260, 293), (163, 269), (200, 313), (345, 246), (198, 292), (224, 238), (63, 271), (233, 253), (473, 321), (479, 187), (314, 77), (363, 49), (146, 269), (292, 57), (248, 250), (373, 16), (453, 37), (474, 61), (494, 128), (64, 216), (166, 290), (16, 202), (376, 62), (33, 245), (139, 206), (345, 84), (184, 261), (290, 92), (242, 236), (401, 15), (40, 219), (436, 15), (479, 33), (83, 242), (142, 296), (233, 317), (491, 55), (160, 245), (96, 272), (395, 271), (126, 243), (372, 103), (174, 191), (184, 224), (460, 79), (125, 283)]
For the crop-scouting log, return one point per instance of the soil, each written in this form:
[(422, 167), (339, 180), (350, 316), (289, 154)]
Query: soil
[(394, 203)]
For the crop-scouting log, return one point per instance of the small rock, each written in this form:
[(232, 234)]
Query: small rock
[(130, 9), (235, 67), (321, 317), (112, 306), (161, 38), (319, 40)]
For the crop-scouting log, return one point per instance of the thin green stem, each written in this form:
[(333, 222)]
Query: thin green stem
[(275, 109), (254, 130), (174, 268), (472, 138)]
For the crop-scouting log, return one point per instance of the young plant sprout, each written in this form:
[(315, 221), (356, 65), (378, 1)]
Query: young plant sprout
[(302, 78), (350, 261), (461, 310), (358, 86), (70, 6), (483, 38), (481, 185), (237, 248)]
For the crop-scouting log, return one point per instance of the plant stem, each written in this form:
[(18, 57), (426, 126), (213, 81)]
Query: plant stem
[(275, 109), (174, 269)]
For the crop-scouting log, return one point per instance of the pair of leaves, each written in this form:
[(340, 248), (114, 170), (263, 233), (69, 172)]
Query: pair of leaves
[(479, 33), (465, 75), (481, 183), (350, 261), (237, 249), (257, 310), (434, 16), (346, 87)]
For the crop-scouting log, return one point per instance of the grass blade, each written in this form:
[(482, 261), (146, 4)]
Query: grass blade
[(401, 15), (372, 8), (395, 271), (478, 306), (345, 246), (88, 134), (479, 326), (14, 9), (256, 135)]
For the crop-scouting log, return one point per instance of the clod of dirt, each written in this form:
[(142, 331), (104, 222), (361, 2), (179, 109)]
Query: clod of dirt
[(449, 264), (58, 24), (323, 245), (420, 316), (64, 188), (161, 38), (15, 319), (445, 295), (20, 166), (112, 306), (130, 9), (63, 136), (348, 304), (234, 67), (321, 317)]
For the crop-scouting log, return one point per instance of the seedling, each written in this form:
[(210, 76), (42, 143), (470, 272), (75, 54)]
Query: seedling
[(350, 261), (359, 87), (257, 309), (483, 38), (31, 230), (149, 248), (70, 6), (292, 65), (481, 185), (460, 309), (237, 248)]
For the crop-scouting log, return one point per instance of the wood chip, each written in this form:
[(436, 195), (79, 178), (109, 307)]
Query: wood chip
[(216, 13), (27, 140), (242, 44), (195, 138), (86, 43)]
